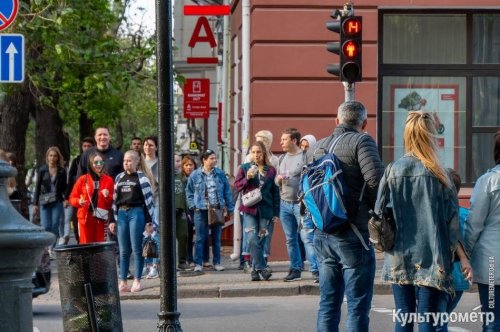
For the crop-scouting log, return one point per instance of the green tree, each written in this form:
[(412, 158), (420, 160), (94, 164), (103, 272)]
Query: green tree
[(83, 66)]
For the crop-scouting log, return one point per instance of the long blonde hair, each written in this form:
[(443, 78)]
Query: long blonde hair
[(420, 140)]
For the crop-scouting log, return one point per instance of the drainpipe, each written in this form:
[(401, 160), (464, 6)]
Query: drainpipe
[(245, 102), (226, 66)]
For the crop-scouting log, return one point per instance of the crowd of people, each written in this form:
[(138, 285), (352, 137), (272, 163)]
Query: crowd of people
[(440, 248)]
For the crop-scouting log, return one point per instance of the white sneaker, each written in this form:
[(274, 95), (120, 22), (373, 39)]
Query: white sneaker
[(218, 267), (145, 270), (198, 268), (153, 273)]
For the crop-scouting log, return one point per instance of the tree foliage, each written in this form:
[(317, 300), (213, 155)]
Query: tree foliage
[(84, 62), (85, 66)]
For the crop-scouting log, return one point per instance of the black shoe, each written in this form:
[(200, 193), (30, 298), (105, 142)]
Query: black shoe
[(255, 276), (316, 277), (185, 267), (247, 267), (129, 276), (265, 274), (293, 275)]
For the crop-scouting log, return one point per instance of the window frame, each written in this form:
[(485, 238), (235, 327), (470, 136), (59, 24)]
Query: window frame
[(468, 70)]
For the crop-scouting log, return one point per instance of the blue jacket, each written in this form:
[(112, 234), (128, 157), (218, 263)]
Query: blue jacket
[(195, 190), (482, 227), (426, 217), (459, 281)]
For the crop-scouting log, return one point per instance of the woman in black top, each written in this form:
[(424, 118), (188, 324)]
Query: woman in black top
[(49, 192)]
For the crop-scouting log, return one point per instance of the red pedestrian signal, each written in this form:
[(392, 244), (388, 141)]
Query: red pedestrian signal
[(349, 48), (352, 25), (350, 57)]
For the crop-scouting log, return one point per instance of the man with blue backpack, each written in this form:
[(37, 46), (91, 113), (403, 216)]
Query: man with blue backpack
[(346, 259)]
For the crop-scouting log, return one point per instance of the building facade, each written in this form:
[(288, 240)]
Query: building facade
[(416, 56)]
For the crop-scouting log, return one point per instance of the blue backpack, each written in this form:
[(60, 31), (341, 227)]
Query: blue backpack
[(324, 191)]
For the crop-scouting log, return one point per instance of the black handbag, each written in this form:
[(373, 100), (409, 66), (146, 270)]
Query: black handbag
[(381, 225), (48, 198), (150, 248), (382, 229)]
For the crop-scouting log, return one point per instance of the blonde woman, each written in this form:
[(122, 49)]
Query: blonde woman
[(133, 208), (425, 208), (49, 192)]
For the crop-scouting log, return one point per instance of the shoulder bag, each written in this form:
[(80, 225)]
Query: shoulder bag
[(48, 198), (381, 225), (215, 214), (252, 197)]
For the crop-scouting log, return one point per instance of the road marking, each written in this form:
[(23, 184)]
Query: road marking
[(383, 310)]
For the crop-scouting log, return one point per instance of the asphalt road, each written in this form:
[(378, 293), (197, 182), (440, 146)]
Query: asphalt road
[(276, 314)]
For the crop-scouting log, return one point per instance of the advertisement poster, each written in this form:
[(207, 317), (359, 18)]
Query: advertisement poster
[(441, 102)]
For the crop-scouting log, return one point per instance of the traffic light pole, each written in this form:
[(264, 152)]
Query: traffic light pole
[(348, 91), (168, 315), (349, 48)]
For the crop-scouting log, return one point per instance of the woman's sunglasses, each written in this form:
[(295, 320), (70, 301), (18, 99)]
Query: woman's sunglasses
[(98, 162)]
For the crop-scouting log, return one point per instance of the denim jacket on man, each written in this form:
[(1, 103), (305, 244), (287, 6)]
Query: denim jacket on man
[(482, 228), (196, 190), (426, 216)]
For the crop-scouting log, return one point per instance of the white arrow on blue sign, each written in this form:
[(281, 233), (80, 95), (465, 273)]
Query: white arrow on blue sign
[(11, 58)]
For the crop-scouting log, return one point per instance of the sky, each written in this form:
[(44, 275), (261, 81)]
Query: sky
[(148, 15)]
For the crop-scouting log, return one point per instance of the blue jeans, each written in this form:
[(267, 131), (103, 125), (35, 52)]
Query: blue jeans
[(307, 236), (201, 226), (64, 227), (487, 306), (267, 243), (256, 231), (450, 306), (130, 225), (345, 266), (420, 300), (290, 219), (50, 217)]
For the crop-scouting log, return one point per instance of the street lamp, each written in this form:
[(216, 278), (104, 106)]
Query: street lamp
[(168, 315)]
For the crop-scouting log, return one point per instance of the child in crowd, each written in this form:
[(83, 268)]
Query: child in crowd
[(151, 264)]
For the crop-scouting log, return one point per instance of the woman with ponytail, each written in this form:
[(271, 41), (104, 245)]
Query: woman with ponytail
[(425, 208)]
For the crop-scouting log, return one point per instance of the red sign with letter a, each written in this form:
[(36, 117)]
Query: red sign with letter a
[(196, 98)]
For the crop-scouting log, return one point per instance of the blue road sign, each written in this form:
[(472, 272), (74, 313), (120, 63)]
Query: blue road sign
[(11, 58)]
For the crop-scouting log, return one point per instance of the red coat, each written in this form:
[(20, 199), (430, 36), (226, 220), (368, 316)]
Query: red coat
[(84, 186)]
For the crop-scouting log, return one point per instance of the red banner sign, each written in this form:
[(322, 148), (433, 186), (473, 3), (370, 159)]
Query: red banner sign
[(196, 98)]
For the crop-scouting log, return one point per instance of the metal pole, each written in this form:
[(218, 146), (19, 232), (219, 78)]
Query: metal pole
[(348, 91), (245, 77), (168, 315)]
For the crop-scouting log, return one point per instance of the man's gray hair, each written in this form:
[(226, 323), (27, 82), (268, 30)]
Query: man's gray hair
[(352, 113)]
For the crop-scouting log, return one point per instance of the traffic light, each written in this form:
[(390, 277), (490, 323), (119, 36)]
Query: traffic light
[(349, 48)]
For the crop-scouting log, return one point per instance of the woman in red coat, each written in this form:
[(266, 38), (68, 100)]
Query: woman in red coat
[(92, 194)]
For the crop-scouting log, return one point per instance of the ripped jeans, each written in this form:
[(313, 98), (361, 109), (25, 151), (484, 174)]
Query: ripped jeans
[(256, 230)]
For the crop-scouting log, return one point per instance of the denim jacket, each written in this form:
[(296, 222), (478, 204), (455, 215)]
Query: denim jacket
[(195, 190), (426, 217), (482, 227)]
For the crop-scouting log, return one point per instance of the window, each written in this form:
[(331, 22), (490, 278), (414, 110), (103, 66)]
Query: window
[(446, 63), (424, 38)]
